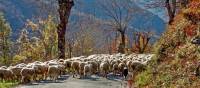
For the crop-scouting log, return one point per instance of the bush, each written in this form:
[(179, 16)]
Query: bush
[(18, 58), (187, 51), (144, 78)]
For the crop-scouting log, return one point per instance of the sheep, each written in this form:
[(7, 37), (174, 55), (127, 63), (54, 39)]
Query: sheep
[(28, 74), (41, 73), (61, 61), (94, 66), (53, 72), (21, 65), (137, 66), (5, 67), (121, 67), (104, 68), (6, 74), (17, 71), (115, 68), (2, 73), (128, 64), (81, 68), (61, 68), (67, 64), (75, 67), (112, 63), (50, 63), (87, 70)]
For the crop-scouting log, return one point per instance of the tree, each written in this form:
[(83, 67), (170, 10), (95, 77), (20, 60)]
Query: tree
[(23, 41), (120, 13), (141, 41), (171, 9), (46, 38), (64, 10), (5, 31), (170, 5)]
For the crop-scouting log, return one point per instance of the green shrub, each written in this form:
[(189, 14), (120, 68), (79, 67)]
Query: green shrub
[(18, 58), (165, 79), (144, 78), (8, 84)]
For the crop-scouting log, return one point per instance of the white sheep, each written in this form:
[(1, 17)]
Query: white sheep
[(81, 68), (75, 68), (87, 70), (121, 67), (94, 66), (53, 72), (104, 68), (115, 68), (67, 64), (28, 74)]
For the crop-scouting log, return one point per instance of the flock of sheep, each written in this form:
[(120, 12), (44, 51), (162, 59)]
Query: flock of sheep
[(82, 66)]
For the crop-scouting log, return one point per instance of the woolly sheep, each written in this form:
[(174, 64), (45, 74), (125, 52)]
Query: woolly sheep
[(104, 68), (27, 74), (87, 70), (75, 67), (53, 72)]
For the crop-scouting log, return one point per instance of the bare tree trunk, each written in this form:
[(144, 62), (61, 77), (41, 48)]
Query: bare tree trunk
[(123, 43), (171, 9), (64, 12), (184, 3), (70, 50)]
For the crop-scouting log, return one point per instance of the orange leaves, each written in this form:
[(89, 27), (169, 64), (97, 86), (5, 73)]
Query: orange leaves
[(190, 30), (141, 41), (193, 12), (195, 4)]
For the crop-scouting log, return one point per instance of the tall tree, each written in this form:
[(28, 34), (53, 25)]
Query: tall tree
[(171, 9), (5, 31), (170, 5), (120, 13), (64, 10)]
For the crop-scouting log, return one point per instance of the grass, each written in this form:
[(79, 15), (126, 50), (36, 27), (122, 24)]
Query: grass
[(6, 84), (144, 78)]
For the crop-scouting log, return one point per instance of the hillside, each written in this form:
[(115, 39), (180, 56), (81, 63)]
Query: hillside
[(18, 11), (175, 65)]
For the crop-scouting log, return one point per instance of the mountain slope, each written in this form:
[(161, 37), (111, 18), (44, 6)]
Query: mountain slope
[(176, 64), (18, 11)]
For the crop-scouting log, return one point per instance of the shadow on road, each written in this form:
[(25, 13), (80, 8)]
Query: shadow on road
[(114, 77), (61, 79)]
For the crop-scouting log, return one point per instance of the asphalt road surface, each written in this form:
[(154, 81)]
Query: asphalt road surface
[(90, 82)]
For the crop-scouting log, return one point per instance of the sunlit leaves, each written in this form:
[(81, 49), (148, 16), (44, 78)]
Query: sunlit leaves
[(5, 31)]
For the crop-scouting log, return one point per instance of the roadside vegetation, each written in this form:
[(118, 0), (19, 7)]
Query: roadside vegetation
[(177, 56)]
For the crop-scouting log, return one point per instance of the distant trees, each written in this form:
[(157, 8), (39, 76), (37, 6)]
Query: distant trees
[(38, 41), (64, 10), (120, 13), (5, 43)]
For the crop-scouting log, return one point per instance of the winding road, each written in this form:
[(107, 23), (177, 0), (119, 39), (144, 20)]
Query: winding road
[(69, 82)]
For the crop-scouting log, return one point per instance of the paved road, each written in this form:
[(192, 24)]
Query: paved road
[(69, 82)]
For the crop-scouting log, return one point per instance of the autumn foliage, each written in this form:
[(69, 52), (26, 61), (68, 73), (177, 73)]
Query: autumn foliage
[(141, 41), (177, 58), (190, 30), (193, 12)]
